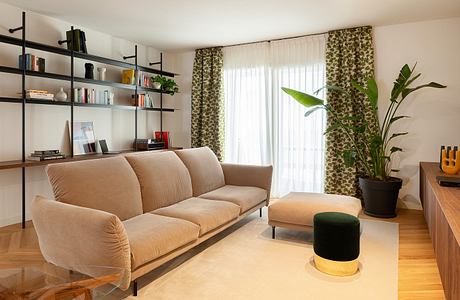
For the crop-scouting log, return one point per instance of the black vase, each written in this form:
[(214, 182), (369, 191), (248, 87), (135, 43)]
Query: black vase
[(380, 197), (89, 71)]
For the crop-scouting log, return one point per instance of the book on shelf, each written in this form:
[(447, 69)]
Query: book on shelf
[(33, 63), (43, 158), (93, 96), (143, 100), (45, 152)]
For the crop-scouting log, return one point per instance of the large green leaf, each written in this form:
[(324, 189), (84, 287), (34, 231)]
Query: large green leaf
[(436, 85), (349, 157), (304, 99), (372, 92), (334, 88), (332, 127), (400, 83), (312, 110)]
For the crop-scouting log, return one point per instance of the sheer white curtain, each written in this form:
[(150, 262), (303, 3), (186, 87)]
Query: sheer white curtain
[(264, 125)]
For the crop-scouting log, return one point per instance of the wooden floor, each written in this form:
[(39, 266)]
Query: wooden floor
[(418, 272)]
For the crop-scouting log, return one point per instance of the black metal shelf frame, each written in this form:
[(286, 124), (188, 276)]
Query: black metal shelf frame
[(23, 43)]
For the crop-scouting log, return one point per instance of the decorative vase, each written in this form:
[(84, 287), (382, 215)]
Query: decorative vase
[(101, 72), (61, 95), (380, 197), (89, 71), (156, 85)]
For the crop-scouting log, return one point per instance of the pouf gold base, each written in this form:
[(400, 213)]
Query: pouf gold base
[(336, 268)]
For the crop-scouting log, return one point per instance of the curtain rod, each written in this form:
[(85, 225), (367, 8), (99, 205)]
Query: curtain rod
[(268, 41), (286, 38)]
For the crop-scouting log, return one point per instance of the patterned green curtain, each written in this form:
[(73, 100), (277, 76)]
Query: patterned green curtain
[(208, 100), (349, 56)]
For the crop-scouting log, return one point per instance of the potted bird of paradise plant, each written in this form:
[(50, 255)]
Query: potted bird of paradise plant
[(371, 149)]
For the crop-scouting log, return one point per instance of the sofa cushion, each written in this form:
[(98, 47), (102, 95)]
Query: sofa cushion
[(208, 214), (204, 168), (245, 196), (108, 184), (163, 177), (151, 236)]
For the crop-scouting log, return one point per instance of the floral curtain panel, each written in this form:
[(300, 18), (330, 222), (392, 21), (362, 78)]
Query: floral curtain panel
[(208, 100), (349, 56)]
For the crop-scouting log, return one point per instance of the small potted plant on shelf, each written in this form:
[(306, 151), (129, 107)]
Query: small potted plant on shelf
[(372, 150), (167, 85)]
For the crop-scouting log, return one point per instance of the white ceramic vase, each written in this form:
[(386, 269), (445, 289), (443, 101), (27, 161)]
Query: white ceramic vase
[(101, 72), (156, 85), (61, 95)]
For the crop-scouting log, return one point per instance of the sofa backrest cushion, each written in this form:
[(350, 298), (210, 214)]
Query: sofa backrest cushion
[(108, 184), (163, 177), (204, 168)]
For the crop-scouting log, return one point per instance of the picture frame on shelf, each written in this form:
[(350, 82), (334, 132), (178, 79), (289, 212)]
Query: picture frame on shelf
[(84, 140)]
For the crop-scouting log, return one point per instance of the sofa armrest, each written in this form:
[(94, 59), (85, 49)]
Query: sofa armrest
[(77, 238), (249, 175)]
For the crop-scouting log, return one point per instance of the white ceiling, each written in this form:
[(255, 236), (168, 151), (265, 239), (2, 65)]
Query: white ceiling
[(182, 24)]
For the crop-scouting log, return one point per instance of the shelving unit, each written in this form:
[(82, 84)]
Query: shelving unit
[(25, 44)]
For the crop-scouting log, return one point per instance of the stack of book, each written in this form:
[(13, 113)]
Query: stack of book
[(39, 94), (33, 63), (41, 155), (80, 40)]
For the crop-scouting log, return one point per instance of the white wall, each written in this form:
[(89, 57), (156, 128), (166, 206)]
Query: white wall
[(46, 125), (435, 114)]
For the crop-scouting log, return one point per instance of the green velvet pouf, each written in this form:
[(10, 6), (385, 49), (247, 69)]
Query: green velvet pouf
[(336, 236)]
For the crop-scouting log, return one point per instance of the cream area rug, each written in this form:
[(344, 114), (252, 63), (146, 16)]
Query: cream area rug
[(245, 263)]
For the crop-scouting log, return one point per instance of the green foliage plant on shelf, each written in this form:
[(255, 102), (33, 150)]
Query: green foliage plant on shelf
[(167, 85), (371, 149)]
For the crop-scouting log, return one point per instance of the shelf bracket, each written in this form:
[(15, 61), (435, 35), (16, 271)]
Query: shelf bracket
[(128, 57), (13, 30), (60, 42), (155, 63)]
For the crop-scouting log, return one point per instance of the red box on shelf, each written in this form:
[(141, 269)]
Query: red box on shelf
[(165, 139)]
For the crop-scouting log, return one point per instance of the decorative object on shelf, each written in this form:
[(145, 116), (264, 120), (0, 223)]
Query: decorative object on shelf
[(42, 155), (84, 141), (128, 76), (368, 148), (448, 150), (156, 85), (61, 95), (167, 85), (159, 137), (101, 73), (450, 160), (33, 63), (89, 71)]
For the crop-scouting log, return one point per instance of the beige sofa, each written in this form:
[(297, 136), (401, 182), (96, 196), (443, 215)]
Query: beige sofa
[(140, 210)]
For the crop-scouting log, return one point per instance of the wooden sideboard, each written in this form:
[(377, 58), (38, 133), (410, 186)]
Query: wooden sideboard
[(441, 207)]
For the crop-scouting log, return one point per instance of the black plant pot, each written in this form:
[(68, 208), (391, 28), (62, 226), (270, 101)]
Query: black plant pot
[(380, 197)]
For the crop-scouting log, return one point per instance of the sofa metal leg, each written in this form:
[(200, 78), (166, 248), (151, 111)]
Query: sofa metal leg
[(260, 212), (135, 288), (273, 232)]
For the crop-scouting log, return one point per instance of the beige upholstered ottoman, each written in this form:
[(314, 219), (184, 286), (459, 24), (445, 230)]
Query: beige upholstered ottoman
[(296, 210)]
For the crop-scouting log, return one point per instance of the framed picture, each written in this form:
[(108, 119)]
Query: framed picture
[(84, 141)]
